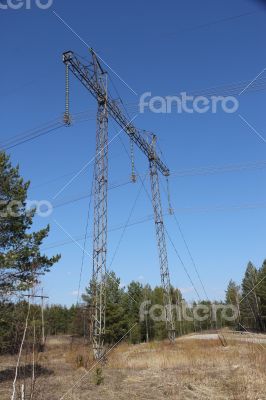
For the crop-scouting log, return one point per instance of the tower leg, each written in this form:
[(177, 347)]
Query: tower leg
[(100, 231), (161, 242)]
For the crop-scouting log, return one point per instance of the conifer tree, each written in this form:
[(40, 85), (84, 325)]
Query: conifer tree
[(21, 261)]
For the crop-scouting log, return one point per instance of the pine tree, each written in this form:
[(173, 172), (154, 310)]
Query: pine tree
[(233, 297), (262, 292), (160, 331), (232, 294), (116, 319), (134, 297), (21, 261), (250, 304)]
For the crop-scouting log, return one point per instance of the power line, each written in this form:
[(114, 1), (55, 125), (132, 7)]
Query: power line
[(190, 255), (28, 133), (219, 21), (218, 169), (35, 133), (185, 242), (85, 242), (197, 171), (46, 132), (232, 89), (222, 208), (171, 241), (182, 263), (127, 222), (180, 209), (142, 220), (86, 196), (73, 173), (48, 124)]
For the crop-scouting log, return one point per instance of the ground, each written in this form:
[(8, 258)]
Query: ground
[(195, 367)]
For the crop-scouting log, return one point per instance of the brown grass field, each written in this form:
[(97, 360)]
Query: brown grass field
[(189, 369)]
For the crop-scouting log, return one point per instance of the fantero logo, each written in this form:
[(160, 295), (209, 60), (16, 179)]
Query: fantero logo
[(27, 4)]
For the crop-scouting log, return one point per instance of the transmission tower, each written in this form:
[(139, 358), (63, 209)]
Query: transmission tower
[(93, 77), (161, 243), (100, 214)]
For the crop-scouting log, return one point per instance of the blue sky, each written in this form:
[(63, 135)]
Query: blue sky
[(163, 48)]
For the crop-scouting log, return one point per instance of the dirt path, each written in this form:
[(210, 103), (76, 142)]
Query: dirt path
[(243, 337)]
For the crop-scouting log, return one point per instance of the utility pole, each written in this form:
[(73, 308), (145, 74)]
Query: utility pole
[(42, 297), (43, 332)]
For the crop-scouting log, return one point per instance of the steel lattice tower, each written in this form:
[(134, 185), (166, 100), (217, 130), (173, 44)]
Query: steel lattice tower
[(93, 78), (161, 243), (100, 217)]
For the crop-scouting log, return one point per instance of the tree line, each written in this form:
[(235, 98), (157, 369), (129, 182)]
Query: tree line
[(124, 307), (127, 314), (22, 264), (250, 298)]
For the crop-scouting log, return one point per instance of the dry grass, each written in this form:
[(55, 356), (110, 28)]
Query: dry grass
[(197, 369), (189, 369)]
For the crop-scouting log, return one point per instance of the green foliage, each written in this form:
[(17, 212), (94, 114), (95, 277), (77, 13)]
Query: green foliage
[(250, 306), (250, 298), (123, 311), (80, 361), (13, 323), (99, 379), (261, 290), (232, 294), (159, 328), (116, 322), (21, 261), (59, 320), (134, 298)]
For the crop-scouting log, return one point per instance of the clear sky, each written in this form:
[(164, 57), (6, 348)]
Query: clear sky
[(161, 47)]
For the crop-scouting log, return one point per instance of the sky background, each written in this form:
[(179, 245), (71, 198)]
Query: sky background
[(163, 48)]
